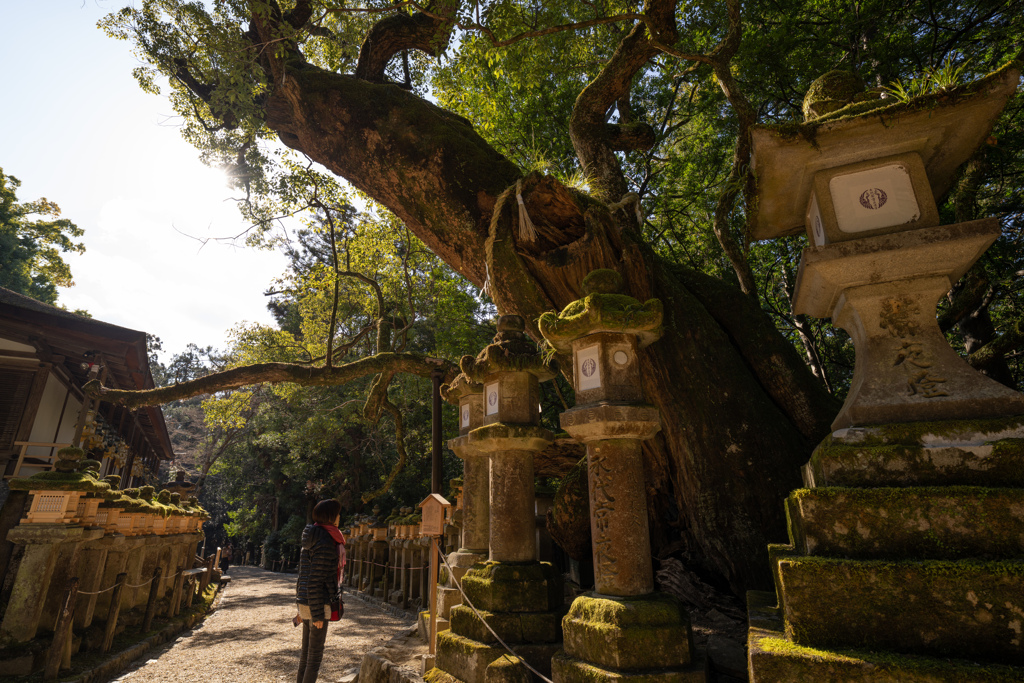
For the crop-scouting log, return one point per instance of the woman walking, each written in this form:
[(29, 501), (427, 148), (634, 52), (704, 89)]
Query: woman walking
[(320, 565)]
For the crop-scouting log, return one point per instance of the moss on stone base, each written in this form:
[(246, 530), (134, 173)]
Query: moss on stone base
[(652, 632), (507, 669), (512, 627), (772, 659), (512, 587), (918, 522), (972, 608), (566, 669)]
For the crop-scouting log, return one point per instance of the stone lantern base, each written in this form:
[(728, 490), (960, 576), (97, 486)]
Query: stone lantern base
[(522, 603), (904, 562), (627, 639)]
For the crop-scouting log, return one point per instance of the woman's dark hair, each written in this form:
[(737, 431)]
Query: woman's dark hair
[(326, 511)]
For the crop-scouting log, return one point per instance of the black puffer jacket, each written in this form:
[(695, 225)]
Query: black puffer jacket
[(318, 571)]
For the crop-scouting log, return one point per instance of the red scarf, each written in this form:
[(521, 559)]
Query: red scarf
[(339, 538)]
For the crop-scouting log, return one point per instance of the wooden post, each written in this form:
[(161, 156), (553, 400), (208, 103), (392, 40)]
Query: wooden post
[(179, 582), (61, 632), (206, 577), (433, 594), (114, 611), (154, 591), (191, 592)]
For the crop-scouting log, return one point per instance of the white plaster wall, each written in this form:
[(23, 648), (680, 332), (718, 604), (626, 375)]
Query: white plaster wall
[(45, 425), (10, 345)]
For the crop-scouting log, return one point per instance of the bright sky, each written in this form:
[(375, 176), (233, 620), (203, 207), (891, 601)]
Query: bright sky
[(76, 129)]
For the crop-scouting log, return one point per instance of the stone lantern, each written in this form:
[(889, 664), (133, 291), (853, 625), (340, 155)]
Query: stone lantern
[(468, 396), (863, 188), (518, 597), (604, 331), (906, 543)]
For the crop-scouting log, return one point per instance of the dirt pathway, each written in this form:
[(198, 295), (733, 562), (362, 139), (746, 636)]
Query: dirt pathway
[(250, 638)]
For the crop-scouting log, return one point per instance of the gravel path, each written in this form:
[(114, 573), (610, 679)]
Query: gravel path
[(249, 638)]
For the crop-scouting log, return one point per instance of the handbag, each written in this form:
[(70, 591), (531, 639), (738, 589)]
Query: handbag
[(337, 608)]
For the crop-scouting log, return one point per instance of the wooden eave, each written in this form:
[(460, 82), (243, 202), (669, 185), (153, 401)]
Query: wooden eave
[(67, 341)]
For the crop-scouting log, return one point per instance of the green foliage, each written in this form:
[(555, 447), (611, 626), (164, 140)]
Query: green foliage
[(32, 239)]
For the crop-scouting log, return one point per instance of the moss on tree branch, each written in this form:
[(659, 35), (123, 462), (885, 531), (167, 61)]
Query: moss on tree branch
[(262, 373)]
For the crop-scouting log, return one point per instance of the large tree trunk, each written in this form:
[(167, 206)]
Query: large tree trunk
[(740, 410)]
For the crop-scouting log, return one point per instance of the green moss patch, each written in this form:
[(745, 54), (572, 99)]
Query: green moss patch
[(973, 608), (508, 587), (956, 522), (643, 633)]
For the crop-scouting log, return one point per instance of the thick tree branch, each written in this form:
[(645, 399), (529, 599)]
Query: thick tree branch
[(260, 373), (588, 126), (427, 32), (1008, 341)]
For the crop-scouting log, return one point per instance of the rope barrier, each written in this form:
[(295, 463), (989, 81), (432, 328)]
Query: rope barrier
[(136, 585), (484, 621)]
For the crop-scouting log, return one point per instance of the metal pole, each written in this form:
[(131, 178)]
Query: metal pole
[(435, 433)]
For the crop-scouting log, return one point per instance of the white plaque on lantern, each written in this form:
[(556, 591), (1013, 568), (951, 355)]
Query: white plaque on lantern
[(876, 198), (588, 370), (491, 398), (464, 420)]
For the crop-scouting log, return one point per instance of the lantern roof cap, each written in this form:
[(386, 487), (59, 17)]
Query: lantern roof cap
[(603, 308), (460, 387), (512, 351), (945, 128)]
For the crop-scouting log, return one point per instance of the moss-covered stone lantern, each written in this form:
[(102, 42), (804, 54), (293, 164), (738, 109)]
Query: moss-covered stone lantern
[(519, 598), (604, 332), (900, 546), (862, 185)]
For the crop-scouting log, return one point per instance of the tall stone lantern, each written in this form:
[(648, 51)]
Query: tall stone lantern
[(604, 331), (468, 396), (906, 543), (516, 596)]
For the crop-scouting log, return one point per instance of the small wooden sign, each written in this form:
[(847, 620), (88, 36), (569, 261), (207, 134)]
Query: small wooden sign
[(433, 507)]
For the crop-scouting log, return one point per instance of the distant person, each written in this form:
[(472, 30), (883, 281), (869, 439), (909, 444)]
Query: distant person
[(317, 590), (226, 556)]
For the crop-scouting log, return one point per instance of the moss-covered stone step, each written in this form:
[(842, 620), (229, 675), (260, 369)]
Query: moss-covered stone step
[(967, 452), (774, 659), (652, 632), (512, 627), (952, 522), (467, 660), (972, 608), (566, 669), (514, 587)]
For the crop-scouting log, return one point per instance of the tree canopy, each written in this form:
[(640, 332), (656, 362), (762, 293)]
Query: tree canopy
[(32, 239), (623, 128)]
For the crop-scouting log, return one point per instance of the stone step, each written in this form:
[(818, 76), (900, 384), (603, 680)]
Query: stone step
[(965, 452), (774, 659), (566, 669), (512, 627), (918, 522), (934, 607), (468, 660)]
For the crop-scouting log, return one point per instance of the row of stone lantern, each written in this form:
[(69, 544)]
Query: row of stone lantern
[(79, 526), (519, 598), (386, 558)]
